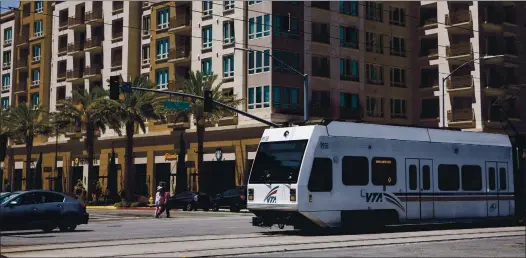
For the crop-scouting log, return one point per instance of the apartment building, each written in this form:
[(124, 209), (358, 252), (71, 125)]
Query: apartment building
[(455, 33), (8, 22)]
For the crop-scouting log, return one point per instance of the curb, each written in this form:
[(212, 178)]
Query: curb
[(135, 208)]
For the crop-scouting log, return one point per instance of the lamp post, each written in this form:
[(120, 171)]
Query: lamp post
[(305, 81), (449, 75)]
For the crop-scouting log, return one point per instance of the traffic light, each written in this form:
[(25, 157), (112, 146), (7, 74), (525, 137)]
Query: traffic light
[(208, 106), (114, 87)]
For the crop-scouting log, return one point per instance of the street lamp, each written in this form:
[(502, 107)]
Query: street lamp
[(444, 84), (305, 81)]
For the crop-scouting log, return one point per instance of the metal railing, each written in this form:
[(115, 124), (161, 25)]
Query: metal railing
[(180, 20), (74, 74), (458, 17), (92, 42), (459, 82), (458, 115), (75, 47), (459, 50), (180, 52), (76, 20), (92, 70), (95, 15)]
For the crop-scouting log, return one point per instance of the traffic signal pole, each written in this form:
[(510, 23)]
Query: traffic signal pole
[(181, 94)]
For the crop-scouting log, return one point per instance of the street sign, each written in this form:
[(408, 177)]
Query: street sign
[(176, 105)]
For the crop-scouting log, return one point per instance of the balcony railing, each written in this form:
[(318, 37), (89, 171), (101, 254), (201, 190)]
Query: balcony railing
[(429, 83), (180, 52), (93, 42), (95, 15), (22, 63), (459, 50), (458, 17), (175, 85), (62, 49), (21, 86), (74, 21), (61, 75), (180, 21), (117, 35), (23, 39), (460, 115), (116, 63), (430, 52), (75, 47), (63, 23), (74, 74), (429, 22), (92, 70), (459, 82)]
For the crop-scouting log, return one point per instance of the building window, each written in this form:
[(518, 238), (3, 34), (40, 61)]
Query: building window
[(398, 77), (8, 36), (228, 32), (374, 43), (161, 78), (6, 58), (383, 171), (39, 6), (398, 108), (349, 7), (349, 37), (228, 66), (289, 58), (321, 33), (397, 16), (38, 29), (163, 48), (6, 82), (163, 18), (36, 77), (206, 66), (207, 8), (35, 100), (375, 74), (349, 70), (5, 103), (285, 98), (228, 5), (207, 37), (321, 66), (258, 61), (283, 27), (397, 46), (146, 54), (36, 53), (375, 106), (349, 101), (259, 97), (254, 2), (259, 27), (374, 11), (146, 25)]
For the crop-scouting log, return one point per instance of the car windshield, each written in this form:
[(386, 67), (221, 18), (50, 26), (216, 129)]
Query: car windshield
[(5, 196), (278, 162)]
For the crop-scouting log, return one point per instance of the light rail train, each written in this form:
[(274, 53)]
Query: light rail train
[(347, 174)]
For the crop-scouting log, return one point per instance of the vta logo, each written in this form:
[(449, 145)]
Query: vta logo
[(374, 197), (271, 196)]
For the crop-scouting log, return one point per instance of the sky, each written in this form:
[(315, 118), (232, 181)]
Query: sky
[(8, 3)]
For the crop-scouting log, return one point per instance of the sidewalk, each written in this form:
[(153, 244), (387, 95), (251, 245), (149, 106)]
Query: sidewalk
[(111, 207)]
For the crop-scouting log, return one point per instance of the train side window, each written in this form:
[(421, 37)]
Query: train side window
[(471, 178), (502, 179), (383, 171), (412, 177), (492, 177), (321, 175), (426, 177), (355, 170), (448, 177)]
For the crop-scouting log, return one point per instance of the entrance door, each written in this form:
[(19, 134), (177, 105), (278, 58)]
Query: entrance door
[(502, 185), (419, 188), (493, 192)]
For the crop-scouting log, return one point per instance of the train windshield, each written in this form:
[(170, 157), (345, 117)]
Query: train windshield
[(278, 162)]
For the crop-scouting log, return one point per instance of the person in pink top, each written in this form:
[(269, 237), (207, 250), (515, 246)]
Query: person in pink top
[(163, 201)]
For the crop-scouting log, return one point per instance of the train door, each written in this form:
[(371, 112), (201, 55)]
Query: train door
[(502, 179), (492, 204), (419, 188)]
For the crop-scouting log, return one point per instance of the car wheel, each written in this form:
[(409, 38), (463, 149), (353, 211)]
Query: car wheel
[(234, 208), (67, 225), (188, 207), (215, 207), (48, 229)]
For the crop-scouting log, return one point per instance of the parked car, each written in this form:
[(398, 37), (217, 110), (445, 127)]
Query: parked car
[(41, 209), (233, 199), (189, 201)]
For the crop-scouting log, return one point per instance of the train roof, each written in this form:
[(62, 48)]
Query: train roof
[(402, 133)]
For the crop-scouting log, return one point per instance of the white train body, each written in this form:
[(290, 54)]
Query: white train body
[(357, 173)]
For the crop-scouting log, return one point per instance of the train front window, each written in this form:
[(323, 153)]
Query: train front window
[(278, 162)]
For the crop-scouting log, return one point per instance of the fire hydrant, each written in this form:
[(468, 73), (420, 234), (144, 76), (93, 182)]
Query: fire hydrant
[(150, 201)]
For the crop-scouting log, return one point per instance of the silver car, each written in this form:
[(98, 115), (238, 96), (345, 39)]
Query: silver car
[(41, 209)]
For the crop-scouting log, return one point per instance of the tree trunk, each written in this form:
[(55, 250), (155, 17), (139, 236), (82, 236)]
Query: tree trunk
[(90, 132), (201, 177), (130, 176), (30, 178)]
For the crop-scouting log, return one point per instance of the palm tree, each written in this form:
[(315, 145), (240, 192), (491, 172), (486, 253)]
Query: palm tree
[(135, 109), (91, 110), (4, 136), (196, 84), (25, 123)]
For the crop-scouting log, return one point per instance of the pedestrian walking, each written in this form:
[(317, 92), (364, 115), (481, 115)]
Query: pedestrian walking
[(158, 201), (163, 202)]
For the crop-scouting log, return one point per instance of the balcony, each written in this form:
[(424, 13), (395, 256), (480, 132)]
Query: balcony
[(22, 63), (93, 72), (460, 85), (459, 22), (349, 113), (429, 23), (431, 53), (94, 17), (93, 44), (22, 40), (62, 50), (73, 75), (118, 7), (116, 36), (430, 84), (75, 48), (180, 23), (76, 22), (180, 54), (61, 75), (461, 118), (491, 22), (459, 52), (175, 85), (116, 64), (21, 87), (63, 24)]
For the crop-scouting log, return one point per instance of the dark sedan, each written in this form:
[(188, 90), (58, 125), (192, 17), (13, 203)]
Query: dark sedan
[(233, 199), (40, 209), (189, 201)]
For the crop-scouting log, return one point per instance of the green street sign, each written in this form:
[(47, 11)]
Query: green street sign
[(176, 105)]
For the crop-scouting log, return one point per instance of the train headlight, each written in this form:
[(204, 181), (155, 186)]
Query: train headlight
[(250, 194), (292, 195)]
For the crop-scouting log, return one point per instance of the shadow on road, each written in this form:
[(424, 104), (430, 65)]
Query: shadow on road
[(36, 233)]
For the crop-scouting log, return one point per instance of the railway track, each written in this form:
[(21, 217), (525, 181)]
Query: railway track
[(249, 244)]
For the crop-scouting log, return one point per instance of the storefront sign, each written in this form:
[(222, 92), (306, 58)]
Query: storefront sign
[(168, 156)]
